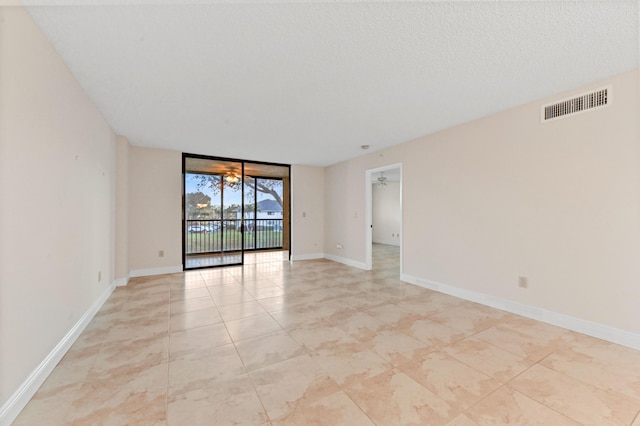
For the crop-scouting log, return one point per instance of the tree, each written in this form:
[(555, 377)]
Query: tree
[(198, 204), (231, 211), (198, 200), (249, 210), (271, 187), (214, 183)]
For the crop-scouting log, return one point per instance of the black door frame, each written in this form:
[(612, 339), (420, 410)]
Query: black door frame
[(242, 162)]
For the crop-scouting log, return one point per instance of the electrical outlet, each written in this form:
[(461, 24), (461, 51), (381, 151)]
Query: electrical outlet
[(99, 276), (161, 253), (523, 282), (338, 246)]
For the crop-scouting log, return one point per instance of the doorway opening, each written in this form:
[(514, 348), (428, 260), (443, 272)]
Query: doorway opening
[(231, 207), (383, 198)]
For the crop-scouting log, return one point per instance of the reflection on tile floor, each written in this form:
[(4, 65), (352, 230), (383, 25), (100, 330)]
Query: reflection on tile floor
[(233, 258), (317, 342)]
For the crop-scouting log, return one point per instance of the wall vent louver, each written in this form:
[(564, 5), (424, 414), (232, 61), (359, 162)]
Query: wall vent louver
[(577, 104)]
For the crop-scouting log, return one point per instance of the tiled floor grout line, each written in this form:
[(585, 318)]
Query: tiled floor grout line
[(318, 297), (531, 397), (359, 408), (248, 374), (233, 342), (246, 369), (168, 354)]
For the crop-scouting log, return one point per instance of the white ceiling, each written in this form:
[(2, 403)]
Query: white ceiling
[(309, 82)]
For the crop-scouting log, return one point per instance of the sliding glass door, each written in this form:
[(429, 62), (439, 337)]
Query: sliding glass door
[(213, 211), (231, 206)]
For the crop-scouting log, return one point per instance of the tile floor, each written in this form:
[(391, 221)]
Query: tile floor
[(320, 343)]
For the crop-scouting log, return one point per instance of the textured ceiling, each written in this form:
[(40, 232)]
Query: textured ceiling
[(309, 82)]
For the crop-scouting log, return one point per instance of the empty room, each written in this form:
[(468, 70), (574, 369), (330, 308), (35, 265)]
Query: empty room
[(305, 212)]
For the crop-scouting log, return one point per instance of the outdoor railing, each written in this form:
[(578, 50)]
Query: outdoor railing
[(209, 236)]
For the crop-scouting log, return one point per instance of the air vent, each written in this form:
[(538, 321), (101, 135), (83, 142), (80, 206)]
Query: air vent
[(588, 101)]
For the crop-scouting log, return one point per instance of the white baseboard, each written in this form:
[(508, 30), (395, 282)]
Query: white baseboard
[(121, 282), (155, 271), (16, 403), (601, 331), (309, 256), (349, 262)]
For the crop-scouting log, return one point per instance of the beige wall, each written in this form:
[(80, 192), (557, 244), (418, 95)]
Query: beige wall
[(386, 213), (345, 188), (506, 196), (307, 212), (57, 190), (155, 210)]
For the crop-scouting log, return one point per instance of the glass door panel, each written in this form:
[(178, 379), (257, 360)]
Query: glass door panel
[(212, 212), (266, 197), (232, 210)]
